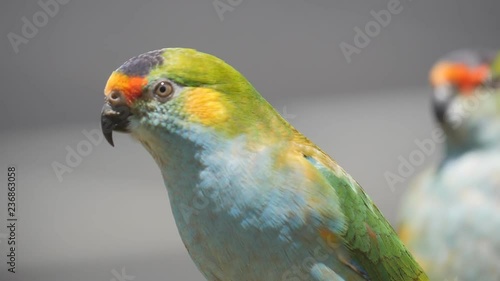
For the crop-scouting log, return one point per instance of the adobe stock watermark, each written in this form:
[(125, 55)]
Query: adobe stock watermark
[(30, 26), (287, 115), (75, 155), (223, 6), (198, 203), (319, 255), (416, 158), (457, 114), (121, 276), (363, 37), (202, 201)]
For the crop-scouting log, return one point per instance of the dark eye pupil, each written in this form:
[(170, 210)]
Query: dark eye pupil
[(163, 89)]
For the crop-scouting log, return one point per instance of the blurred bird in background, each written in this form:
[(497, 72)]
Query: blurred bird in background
[(253, 198), (450, 218)]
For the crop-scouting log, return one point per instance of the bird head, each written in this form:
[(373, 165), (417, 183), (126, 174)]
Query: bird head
[(178, 91), (466, 97)]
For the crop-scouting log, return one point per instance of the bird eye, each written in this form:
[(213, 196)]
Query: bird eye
[(163, 90)]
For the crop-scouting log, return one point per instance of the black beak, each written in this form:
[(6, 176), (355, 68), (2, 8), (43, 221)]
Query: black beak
[(442, 98), (114, 119)]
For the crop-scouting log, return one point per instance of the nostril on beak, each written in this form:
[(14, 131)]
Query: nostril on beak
[(114, 96), (117, 99)]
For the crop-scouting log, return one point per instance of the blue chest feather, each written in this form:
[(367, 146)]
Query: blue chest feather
[(455, 215), (235, 212)]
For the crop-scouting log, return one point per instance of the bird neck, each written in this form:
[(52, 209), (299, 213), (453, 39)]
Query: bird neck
[(460, 142), (455, 150)]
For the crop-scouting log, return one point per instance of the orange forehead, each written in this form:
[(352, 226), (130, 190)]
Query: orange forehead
[(465, 77), (130, 86)]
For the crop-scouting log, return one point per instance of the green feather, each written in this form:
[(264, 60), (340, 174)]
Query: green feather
[(384, 257)]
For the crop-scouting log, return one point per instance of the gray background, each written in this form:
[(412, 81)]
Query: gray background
[(112, 212)]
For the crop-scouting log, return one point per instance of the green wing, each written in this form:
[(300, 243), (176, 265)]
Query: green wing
[(370, 239)]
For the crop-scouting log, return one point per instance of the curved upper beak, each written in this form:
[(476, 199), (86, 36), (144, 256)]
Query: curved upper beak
[(114, 117), (442, 99)]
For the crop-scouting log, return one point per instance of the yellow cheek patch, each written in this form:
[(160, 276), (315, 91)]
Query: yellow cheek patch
[(206, 106)]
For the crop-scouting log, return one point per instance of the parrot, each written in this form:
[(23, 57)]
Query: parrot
[(252, 198), (450, 215)]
